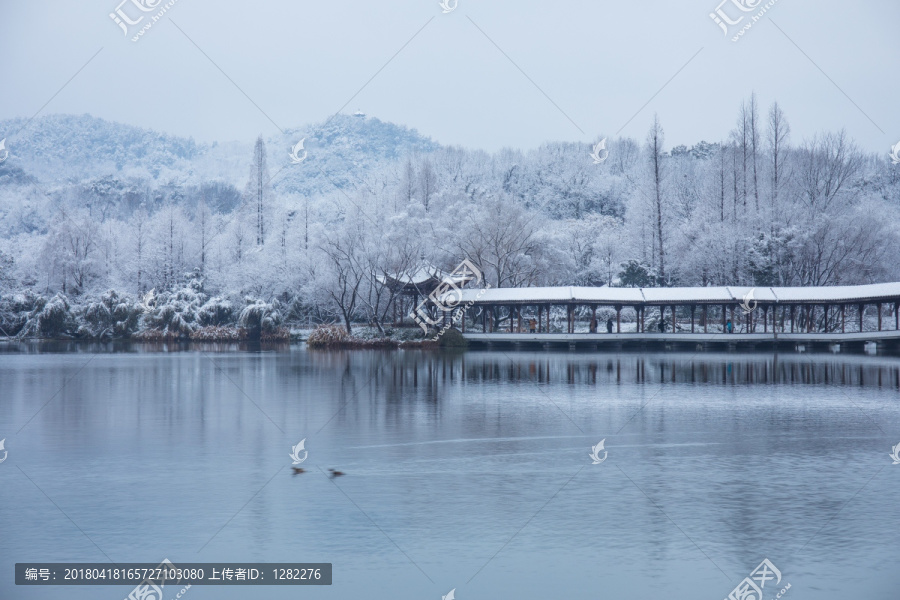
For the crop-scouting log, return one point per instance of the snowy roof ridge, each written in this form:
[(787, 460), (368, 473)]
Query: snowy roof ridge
[(873, 292), (421, 273)]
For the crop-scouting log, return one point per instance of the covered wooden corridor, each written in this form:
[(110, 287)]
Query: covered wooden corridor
[(701, 311)]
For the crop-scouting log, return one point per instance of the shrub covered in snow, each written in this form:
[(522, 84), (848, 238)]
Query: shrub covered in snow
[(259, 317), (49, 318), (453, 338), (176, 315), (110, 315), (14, 311), (216, 312), (181, 314)]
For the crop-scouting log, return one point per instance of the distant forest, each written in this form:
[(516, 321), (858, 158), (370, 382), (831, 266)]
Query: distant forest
[(94, 215)]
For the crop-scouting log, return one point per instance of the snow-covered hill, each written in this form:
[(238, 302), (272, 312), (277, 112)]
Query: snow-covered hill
[(81, 149)]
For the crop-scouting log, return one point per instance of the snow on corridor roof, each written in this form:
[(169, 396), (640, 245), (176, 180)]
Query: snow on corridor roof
[(683, 295)]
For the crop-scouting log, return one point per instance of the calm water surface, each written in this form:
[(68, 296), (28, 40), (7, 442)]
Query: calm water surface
[(467, 471)]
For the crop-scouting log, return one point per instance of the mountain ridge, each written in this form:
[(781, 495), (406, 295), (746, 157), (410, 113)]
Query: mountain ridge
[(65, 148)]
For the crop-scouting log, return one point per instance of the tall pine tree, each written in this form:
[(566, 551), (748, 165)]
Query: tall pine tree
[(258, 189)]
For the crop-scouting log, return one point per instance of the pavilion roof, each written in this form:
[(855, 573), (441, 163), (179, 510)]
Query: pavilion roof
[(422, 279)]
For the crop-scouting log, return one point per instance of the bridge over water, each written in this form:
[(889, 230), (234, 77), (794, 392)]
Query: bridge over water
[(689, 317)]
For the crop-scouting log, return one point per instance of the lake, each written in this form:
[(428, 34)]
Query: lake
[(469, 471)]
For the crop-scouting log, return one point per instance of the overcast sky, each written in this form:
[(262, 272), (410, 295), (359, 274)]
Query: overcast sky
[(486, 75)]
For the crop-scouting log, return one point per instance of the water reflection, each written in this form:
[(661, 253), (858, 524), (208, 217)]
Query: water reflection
[(430, 371), (118, 347), (454, 458)]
